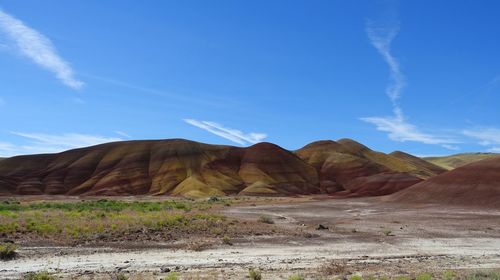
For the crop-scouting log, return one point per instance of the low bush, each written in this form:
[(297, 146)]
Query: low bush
[(484, 275), (424, 276), (171, 276), (296, 277), (7, 251), (39, 276), (254, 274), (266, 219)]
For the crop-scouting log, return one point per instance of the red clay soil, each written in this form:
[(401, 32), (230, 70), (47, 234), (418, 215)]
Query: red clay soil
[(475, 184), (188, 168)]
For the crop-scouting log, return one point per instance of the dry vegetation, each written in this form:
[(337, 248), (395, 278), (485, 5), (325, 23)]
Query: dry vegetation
[(102, 221)]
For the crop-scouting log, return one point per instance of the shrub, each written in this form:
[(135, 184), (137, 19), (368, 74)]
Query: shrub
[(266, 219), (7, 251), (226, 240), (356, 277), (387, 232), (171, 276), (332, 268), (254, 274), (481, 275), (449, 275), (424, 276), (39, 276), (296, 277), (199, 246), (120, 276)]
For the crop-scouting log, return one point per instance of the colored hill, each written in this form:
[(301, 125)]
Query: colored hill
[(348, 168), (454, 161), (187, 168), (475, 184)]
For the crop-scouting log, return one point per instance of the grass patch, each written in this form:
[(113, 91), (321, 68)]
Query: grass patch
[(297, 277), (387, 232), (449, 275), (483, 275), (171, 276), (39, 276), (105, 220), (7, 251), (266, 219), (424, 276), (254, 274)]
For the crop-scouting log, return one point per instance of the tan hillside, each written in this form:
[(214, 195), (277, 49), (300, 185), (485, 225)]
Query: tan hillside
[(454, 161)]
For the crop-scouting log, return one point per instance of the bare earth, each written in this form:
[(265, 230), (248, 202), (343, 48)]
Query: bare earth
[(364, 236)]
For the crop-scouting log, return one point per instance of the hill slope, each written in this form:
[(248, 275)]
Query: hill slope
[(187, 168), (349, 168), (477, 184), (454, 161)]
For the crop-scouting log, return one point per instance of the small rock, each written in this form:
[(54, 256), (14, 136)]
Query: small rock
[(164, 269), (321, 227)]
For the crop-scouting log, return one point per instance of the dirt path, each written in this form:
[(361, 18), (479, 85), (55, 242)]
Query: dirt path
[(364, 236)]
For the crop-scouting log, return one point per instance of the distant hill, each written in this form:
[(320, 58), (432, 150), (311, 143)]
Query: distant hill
[(454, 161), (188, 168), (348, 168), (477, 184)]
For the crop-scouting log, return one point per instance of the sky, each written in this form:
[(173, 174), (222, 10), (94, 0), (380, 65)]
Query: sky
[(418, 76)]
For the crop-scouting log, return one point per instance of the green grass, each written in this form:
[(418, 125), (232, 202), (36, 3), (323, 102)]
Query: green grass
[(254, 274), (448, 275), (171, 276), (86, 220), (424, 276), (296, 277), (106, 205), (39, 276), (484, 275), (7, 251)]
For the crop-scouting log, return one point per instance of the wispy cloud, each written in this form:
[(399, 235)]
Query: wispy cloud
[(38, 48), (233, 135), (494, 150), (397, 127), (485, 136), (124, 134), (400, 130), (381, 37), (51, 143)]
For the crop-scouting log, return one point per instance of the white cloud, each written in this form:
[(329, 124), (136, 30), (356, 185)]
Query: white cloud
[(400, 130), (381, 38), (485, 136), (38, 48), (51, 143), (233, 135), (124, 134), (494, 150)]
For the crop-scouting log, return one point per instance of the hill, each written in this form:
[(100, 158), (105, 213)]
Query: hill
[(476, 184), (454, 161), (348, 168), (188, 168)]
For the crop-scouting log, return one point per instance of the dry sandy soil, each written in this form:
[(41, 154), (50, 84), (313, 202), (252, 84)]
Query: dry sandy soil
[(364, 236)]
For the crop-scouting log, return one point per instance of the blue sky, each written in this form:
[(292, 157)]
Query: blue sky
[(418, 76)]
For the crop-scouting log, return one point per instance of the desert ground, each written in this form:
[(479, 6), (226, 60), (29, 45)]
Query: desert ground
[(314, 237)]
